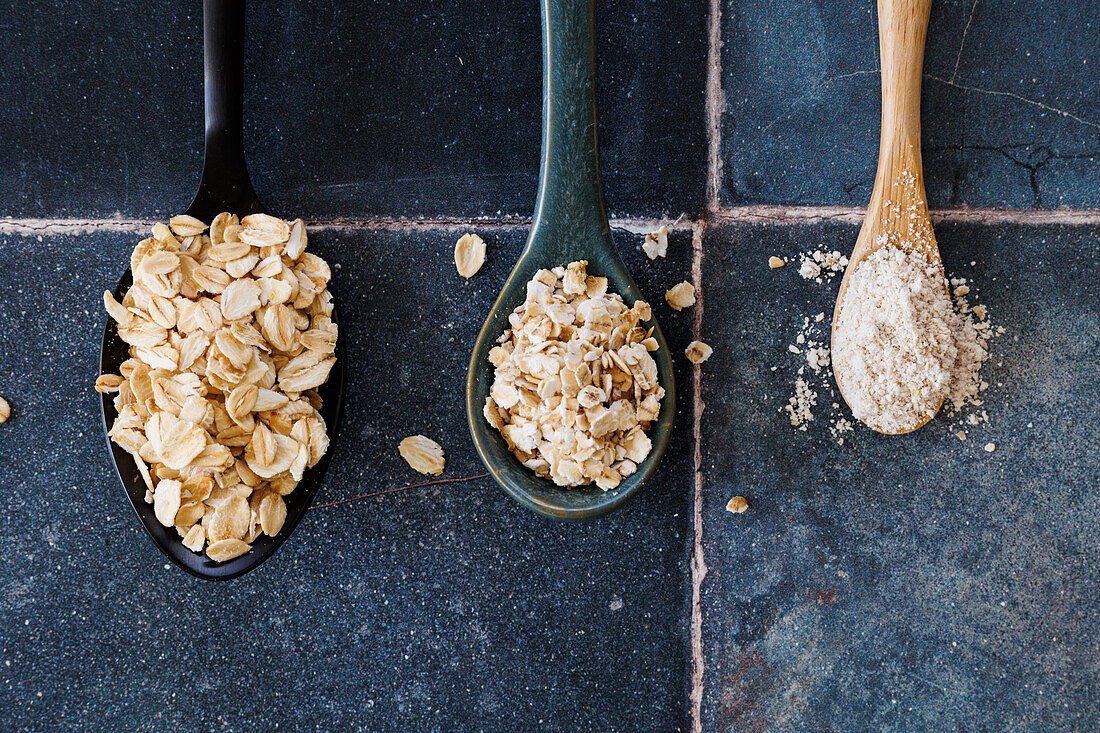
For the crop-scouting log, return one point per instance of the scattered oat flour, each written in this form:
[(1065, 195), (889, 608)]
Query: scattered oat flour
[(894, 346), (814, 391)]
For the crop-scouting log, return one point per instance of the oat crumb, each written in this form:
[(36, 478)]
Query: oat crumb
[(737, 505), (809, 269), (656, 243), (776, 262), (990, 447), (697, 352)]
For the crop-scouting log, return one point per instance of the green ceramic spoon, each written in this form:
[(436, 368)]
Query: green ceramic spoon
[(569, 224)]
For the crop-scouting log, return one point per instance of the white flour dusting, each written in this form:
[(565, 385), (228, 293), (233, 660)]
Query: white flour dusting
[(894, 345)]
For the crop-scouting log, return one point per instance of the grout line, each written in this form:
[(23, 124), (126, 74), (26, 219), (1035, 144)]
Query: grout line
[(52, 227), (644, 226), (761, 214), (715, 104), (698, 560), (404, 224), (768, 214)]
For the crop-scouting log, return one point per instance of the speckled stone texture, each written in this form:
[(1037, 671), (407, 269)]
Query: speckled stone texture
[(1010, 113), (904, 583), (895, 584), (386, 108), (443, 608)]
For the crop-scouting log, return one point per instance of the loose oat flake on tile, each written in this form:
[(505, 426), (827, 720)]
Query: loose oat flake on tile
[(575, 389), (469, 255), (681, 296), (697, 352), (422, 454), (230, 332)]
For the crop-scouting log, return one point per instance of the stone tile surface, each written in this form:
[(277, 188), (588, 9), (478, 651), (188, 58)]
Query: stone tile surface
[(436, 609), (915, 583), (1009, 114), (894, 584), (352, 109)]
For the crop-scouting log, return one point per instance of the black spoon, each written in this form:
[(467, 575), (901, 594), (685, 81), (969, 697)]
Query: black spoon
[(225, 186)]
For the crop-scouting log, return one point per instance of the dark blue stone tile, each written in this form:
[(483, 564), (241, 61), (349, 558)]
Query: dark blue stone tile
[(1009, 114), (436, 609), (366, 109), (904, 583)]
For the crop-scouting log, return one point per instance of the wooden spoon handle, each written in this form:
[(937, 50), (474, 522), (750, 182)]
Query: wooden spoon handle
[(569, 209), (902, 28), (898, 202)]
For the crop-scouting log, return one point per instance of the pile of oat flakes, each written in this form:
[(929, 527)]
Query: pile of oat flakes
[(575, 389), (230, 332)]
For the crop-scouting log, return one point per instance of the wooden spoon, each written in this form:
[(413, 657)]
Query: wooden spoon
[(569, 224), (898, 211), (224, 186)]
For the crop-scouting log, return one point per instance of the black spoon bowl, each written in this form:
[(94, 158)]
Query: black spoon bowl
[(224, 186), (570, 224)]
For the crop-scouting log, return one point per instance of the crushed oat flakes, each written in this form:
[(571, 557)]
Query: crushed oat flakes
[(893, 345), (230, 333), (656, 243), (737, 505), (821, 265), (800, 407), (575, 389), (5, 410), (697, 352), (681, 296), (422, 454), (972, 337), (990, 447), (776, 262), (469, 255)]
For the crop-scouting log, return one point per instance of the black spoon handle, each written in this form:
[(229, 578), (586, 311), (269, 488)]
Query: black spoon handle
[(225, 185), (570, 207)]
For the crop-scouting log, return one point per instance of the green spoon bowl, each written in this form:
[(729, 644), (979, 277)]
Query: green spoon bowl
[(570, 224)]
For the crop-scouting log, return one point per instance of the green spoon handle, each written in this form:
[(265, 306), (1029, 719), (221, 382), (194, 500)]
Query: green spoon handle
[(569, 210)]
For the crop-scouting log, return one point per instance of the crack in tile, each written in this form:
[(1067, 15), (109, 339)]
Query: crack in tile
[(814, 90), (1013, 95), (962, 43), (1047, 154)]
